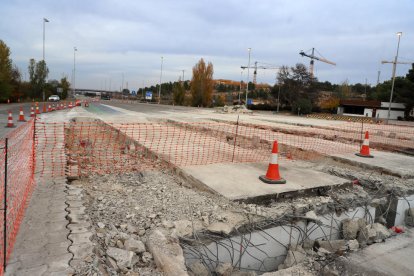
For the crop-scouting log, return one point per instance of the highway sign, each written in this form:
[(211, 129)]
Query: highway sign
[(148, 95)]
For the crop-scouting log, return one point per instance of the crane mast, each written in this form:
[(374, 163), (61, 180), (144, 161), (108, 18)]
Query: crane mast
[(255, 67), (312, 60)]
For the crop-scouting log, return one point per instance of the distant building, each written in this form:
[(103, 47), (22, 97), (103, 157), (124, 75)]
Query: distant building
[(374, 109)]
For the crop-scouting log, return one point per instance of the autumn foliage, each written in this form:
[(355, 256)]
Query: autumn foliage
[(202, 84)]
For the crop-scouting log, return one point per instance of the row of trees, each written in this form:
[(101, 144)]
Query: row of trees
[(13, 88)]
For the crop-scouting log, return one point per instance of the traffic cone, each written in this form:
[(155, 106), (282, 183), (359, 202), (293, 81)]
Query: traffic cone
[(70, 104), (61, 106), (10, 120), (50, 108), (44, 108), (21, 115), (32, 113), (364, 152), (272, 176)]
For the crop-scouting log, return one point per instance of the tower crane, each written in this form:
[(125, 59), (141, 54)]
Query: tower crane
[(255, 67), (398, 62), (313, 58)]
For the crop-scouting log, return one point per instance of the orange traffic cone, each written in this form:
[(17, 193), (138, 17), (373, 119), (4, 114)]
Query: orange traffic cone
[(44, 108), (32, 113), (70, 105), (21, 115), (364, 152), (50, 108), (10, 120), (272, 176)]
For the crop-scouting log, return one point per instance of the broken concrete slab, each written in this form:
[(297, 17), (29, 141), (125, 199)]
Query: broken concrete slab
[(387, 162), (168, 255), (240, 181)]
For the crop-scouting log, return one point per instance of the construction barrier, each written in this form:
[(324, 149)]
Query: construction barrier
[(16, 184), (97, 147)]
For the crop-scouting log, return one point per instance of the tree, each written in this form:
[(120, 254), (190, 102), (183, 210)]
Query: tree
[(410, 74), (38, 73), (202, 84), (178, 93), (5, 72), (296, 83), (65, 85)]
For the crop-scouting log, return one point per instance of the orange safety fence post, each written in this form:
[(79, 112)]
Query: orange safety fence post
[(10, 120), (44, 108), (364, 152), (21, 115), (273, 176)]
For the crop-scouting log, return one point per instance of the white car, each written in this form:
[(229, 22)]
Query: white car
[(53, 98)]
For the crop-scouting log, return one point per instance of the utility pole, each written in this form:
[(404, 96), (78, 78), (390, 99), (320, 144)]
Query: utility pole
[(74, 70), (248, 74), (159, 90), (44, 62), (378, 77)]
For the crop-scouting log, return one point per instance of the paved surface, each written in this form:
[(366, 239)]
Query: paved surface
[(241, 181), (391, 163), (41, 246), (44, 240), (393, 257)]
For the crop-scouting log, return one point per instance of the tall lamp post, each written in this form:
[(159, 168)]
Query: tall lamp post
[(241, 80), (248, 74), (159, 90), (74, 71), (394, 68), (44, 28)]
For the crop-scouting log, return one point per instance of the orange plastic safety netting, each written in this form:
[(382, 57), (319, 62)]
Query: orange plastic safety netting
[(16, 184), (98, 147)]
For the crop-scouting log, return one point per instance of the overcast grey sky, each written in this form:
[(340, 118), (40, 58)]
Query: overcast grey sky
[(116, 38)]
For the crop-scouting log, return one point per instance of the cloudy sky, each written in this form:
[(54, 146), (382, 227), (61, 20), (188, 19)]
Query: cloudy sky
[(126, 39)]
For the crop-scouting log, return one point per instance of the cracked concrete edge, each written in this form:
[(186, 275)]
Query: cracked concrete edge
[(80, 228)]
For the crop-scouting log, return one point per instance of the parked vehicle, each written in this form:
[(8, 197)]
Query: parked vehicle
[(53, 98)]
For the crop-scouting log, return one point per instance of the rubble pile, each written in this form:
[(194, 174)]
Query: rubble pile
[(239, 109), (138, 220)]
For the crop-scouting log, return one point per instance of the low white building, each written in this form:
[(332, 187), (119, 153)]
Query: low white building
[(373, 109)]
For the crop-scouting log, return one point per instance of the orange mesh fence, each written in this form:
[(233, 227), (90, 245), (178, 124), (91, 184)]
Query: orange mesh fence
[(97, 147), (16, 182)]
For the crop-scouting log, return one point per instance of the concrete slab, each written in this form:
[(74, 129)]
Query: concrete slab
[(387, 162), (393, 257), (240, 181)]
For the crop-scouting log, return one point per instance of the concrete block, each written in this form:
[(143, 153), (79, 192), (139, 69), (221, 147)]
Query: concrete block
[(168, 255), (59, 262), (79, 238), (81, 251)]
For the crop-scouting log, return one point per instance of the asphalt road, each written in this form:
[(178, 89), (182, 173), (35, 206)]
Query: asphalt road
[(15, 109), (147, 107)]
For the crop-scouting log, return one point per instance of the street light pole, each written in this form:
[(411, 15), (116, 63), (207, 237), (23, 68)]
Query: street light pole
[(44, 29), (248, 74), (159, 90), (241, 80), (394, 68), (74, 71)]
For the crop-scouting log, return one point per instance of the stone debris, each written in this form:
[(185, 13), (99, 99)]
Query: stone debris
[(138, 219), (122, 257), (240, 109), (351, 228), (224, 269)]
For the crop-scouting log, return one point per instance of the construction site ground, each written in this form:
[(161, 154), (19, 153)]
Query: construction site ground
[(121, 210)]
